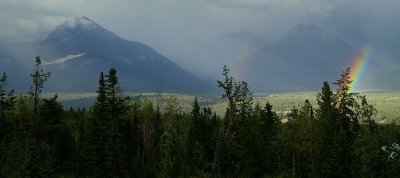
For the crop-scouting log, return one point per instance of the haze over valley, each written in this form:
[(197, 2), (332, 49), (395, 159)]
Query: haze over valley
[(199, 88), (307, 46)]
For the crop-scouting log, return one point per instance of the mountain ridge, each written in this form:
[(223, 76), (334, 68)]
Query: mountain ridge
[(81, 47), (305, 57)]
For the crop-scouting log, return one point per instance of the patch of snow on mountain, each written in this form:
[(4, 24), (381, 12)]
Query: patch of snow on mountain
[(63, 60), (81, 22)]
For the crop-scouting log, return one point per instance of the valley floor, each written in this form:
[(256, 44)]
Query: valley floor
[(387, 104)]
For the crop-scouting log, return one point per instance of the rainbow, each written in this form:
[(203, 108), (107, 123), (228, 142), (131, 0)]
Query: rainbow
[(243, 50), (359, 68)]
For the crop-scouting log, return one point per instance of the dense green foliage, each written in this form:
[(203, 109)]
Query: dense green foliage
[(123, 137)]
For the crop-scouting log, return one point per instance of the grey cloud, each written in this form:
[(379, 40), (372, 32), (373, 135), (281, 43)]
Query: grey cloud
[(186, 31), (369, 21), (239, 4), (317, 7)]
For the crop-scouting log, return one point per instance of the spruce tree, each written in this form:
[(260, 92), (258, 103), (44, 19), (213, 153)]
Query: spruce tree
[(33, 149), (269, 128), (52, 136), (193, 135), (346, 103), (306, 141), (228, 85), (172, 140), (93, 148), (117, 113), (326, 115), (347, 120), (6, 102), (39, 77)]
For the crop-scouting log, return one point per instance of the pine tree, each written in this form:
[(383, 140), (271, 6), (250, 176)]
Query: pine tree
[(193, 140), (306, 141), (201, 139), (244, 100), (52, 136), (93, 153), (33, 149), (117, 112), (348, 125), (6, 98), (326, 115), (172, 140), (346, 102), (38, 79), (269, 128), (228, 85), (292, 126), (6, 104), (365, 112), (106, 145)]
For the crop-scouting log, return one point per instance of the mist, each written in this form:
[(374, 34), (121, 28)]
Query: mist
[(203, 35)]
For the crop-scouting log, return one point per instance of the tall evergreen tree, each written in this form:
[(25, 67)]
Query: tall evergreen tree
[(201, 140), (193, 134), (347, 120), (6, 104), (33, 148), (39, 77), (269, 129), (117, 112), (172, 142), (244, 100), (232, 93), (228, 86), (365, 112), (326, 115), (306, 141), (346, 103), (55, 154), (6, 98), (93, 153), (105, 137), (138, 138)]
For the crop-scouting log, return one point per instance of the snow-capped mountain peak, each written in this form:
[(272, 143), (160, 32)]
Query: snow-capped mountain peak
[(79, 28), (78, 22)]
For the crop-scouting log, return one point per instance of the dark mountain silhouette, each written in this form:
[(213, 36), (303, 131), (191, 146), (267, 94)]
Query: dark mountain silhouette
[(304, 58), (79, 49)]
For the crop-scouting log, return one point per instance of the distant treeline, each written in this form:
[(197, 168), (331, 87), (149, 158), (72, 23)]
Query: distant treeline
[(124, 137)]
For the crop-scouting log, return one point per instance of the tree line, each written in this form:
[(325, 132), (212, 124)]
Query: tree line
[(120, 136)]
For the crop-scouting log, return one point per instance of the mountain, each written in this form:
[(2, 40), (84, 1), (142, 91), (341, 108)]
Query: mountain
[(79, 49), (237, 45), (304, 58), (225, 49)]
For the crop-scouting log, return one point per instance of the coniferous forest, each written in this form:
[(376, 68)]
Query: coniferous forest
[(133, 137)]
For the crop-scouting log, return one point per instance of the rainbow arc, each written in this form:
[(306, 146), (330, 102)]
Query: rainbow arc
[(360, 67)]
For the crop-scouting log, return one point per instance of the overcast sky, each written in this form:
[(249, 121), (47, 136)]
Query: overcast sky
[(186, 31)]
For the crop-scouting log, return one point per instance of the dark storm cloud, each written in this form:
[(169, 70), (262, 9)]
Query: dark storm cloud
[(376, 22), (187, 31), (235, 4)]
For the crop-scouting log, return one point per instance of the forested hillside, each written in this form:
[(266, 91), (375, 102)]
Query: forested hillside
[(133, 137)]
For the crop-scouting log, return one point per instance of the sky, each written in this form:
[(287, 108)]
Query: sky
[(202, 35)]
